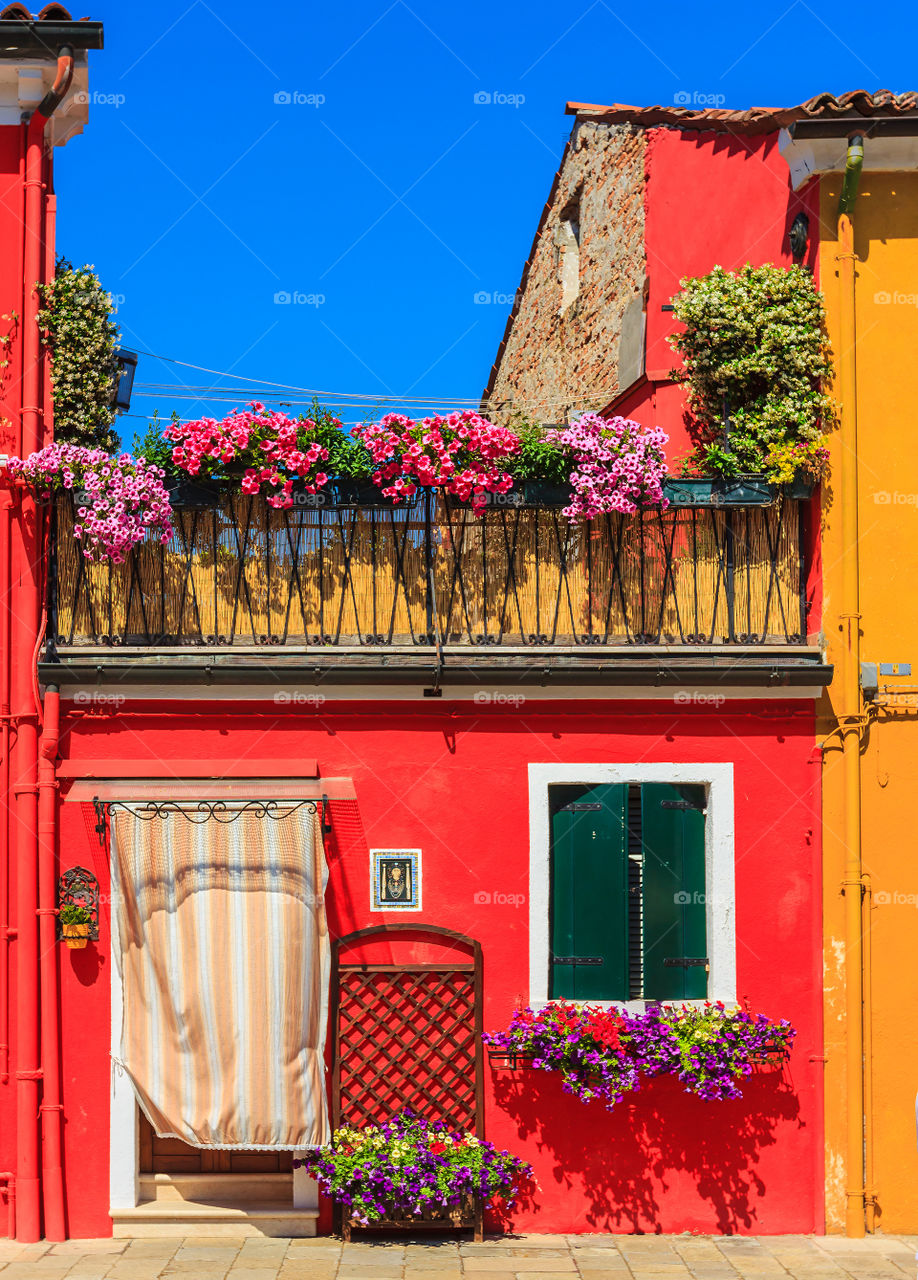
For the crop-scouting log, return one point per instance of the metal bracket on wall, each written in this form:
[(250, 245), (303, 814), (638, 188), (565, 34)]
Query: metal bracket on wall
[(200, 811), (101, 809)]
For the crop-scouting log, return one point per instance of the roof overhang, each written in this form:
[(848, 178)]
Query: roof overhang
[(814, 147), (43, 38)]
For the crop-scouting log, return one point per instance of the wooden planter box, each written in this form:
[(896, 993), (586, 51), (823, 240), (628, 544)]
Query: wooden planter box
[(468, 1216)]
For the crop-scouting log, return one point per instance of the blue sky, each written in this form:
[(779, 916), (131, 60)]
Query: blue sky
[(382, 167)]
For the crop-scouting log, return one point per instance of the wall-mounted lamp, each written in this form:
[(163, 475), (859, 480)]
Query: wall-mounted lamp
[(127, 367), (799, 236)]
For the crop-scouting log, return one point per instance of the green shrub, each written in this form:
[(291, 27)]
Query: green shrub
[(756, 352)]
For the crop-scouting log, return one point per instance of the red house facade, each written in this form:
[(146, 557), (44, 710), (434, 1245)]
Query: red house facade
[(566, 762)]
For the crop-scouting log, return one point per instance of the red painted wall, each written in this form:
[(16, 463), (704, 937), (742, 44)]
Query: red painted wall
[(452, 779), (712, 199)]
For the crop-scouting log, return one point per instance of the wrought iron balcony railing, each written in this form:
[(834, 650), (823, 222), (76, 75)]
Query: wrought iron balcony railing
[(242, 573)]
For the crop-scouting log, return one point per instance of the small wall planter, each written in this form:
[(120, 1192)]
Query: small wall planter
[(76, 936)]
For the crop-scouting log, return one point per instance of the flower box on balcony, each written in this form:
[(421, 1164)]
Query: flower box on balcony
[(366, 494), (542, 493), (745, 491), (193, 495), (799, 489), (748, 491)]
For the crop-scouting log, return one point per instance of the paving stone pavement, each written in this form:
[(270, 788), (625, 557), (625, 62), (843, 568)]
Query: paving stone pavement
[(587, 1257)]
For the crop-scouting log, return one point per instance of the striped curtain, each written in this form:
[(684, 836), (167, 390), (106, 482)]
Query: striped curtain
[(222, 945)]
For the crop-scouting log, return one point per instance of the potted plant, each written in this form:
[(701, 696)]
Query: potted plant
[(119, 499), (618, 465), (709, 1047), (589, 1047), (756, 359), (464, 454), (413, 1170), (185, 492), (265, 449), (541, 469), (75, 925)]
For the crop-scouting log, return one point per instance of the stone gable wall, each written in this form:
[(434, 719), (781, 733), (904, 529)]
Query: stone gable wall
[(556, 362)]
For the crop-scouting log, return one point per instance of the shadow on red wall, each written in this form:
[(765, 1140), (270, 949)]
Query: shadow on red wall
[(654, 1141)]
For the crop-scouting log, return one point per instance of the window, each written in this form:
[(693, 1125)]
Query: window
[(628, 899), (567, 240), (631, 882)]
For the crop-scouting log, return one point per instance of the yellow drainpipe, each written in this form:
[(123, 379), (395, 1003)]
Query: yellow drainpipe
[(850, 697)]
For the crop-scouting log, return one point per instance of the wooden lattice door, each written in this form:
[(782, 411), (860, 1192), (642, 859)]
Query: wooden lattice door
[(408, 1035)]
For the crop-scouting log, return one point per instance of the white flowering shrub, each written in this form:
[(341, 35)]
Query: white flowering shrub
[(755, 349), (77, 327)]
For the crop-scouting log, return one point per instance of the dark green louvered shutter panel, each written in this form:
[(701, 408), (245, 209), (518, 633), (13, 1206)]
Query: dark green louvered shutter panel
[(675, 924), (589, 921)]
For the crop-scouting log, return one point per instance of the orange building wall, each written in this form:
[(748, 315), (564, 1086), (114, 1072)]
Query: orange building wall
[(886, 245)]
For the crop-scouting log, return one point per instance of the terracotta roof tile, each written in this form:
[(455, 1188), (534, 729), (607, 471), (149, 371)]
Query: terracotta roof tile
[(858, 102), (50, 13)]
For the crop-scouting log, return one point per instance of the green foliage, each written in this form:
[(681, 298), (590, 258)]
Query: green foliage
[(754, 344), (75, 317), (71, 913), (348, 459), (538, 457), (156, 449)]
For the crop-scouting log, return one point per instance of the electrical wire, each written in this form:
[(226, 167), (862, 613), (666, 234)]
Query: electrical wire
[(265, 390)]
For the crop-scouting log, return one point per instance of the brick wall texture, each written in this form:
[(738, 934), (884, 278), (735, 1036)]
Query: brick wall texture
[(555, 362)]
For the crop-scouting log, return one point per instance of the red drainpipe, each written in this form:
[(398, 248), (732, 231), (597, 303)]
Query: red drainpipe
[(25, 786), (51, 1108), (6, 933)]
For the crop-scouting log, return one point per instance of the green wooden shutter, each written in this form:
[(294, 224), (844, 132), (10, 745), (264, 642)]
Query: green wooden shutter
[(589, 892), (675, 915)]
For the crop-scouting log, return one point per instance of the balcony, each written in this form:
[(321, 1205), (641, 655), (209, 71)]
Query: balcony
[(388, 592)]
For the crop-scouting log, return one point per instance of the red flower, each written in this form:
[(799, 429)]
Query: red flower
[(437, 1148)]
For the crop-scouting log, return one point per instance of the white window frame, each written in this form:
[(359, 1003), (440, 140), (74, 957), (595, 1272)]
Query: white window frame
[(719, 858)]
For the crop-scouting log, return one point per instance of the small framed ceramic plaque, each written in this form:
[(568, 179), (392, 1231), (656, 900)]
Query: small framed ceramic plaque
[(395, 879)]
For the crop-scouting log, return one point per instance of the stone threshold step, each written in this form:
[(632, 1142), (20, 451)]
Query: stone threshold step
[(152, 1218), (243, 1188)]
